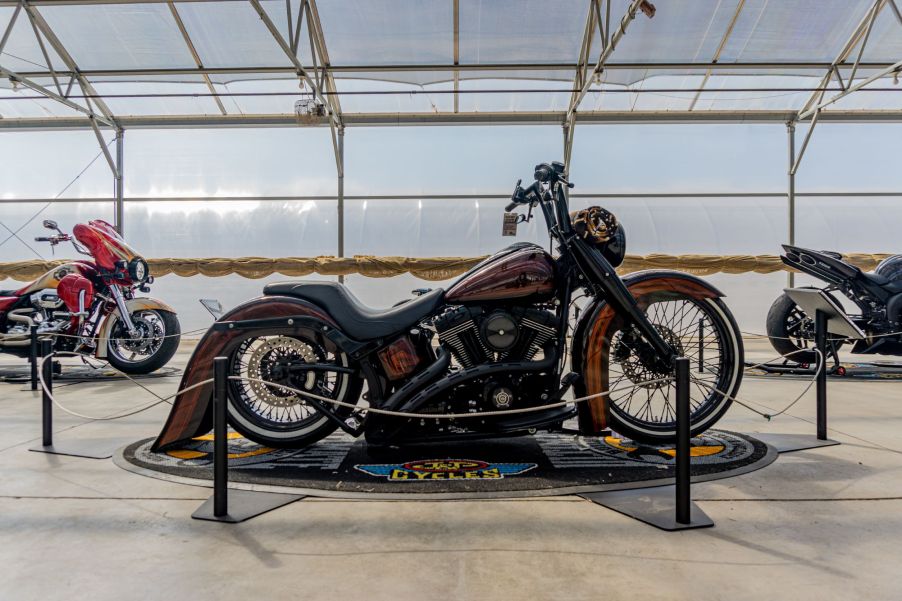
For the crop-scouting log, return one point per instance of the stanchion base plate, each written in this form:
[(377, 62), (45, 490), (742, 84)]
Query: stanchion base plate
[(101, 448), (787, 443), (654, 506), (244, 505)]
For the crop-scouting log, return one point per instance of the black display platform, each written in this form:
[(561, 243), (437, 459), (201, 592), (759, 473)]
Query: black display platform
[(540, 465), (860, 371)]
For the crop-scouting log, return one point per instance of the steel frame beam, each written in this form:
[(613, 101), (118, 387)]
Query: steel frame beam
[(582, 71), (448, 118)]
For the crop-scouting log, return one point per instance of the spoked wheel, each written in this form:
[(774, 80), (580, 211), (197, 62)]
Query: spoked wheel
[(643, 398), (275, 416), (155, 341)]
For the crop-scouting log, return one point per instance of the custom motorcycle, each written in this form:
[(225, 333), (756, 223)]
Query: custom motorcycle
[(497, 340), (878, 295), (91, 307)]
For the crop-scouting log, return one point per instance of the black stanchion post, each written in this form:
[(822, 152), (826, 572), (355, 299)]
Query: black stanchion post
[(33, 354), (701, 345), (46, 401), (820, 336), (683, 501), (220, 439), (245, 504)]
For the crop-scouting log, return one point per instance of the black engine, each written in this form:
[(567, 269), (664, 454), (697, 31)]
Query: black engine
[(476, 336)]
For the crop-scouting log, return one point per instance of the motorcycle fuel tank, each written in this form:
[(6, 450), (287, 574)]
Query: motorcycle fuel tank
[(522, 271)]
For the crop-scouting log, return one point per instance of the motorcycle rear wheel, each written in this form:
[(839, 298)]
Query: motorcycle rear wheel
[(277, 417), (791, 331)]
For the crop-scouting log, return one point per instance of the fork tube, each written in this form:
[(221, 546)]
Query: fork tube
[(123, 310)]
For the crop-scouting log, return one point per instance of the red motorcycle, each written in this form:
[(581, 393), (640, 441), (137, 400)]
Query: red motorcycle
[(91, 307)]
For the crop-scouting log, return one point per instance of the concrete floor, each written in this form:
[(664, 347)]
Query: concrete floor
[(823, 524)]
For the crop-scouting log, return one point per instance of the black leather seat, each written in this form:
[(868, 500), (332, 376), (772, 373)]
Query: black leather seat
[(355, 319)]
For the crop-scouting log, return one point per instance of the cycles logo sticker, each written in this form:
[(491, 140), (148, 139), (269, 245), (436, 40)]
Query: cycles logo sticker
[(444, 469)]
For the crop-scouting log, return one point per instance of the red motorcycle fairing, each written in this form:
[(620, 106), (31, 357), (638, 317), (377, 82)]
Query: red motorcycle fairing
[(104, 243), (191, 413), (591, 338), (70, 288)]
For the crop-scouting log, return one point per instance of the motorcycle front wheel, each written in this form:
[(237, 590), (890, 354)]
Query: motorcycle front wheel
[(278, 417), (156, 341), (642, 398)]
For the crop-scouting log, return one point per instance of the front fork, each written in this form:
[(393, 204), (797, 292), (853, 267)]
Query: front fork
[(116, 291), (603, 275)]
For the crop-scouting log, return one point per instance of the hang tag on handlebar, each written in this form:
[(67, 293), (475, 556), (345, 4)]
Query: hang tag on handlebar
[(509, 226)]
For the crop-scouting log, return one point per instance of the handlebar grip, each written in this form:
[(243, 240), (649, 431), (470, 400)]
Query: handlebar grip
[(510, 207), (42, 239)]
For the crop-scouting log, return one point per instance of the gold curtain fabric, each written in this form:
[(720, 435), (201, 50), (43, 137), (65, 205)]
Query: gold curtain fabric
[(434, 268)]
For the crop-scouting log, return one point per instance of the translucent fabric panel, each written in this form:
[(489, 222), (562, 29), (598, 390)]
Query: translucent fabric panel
[(369, 96), (885, 41), (431, 227), (524, 95), (231, 34), (231, 290), (445, 160), (687, 30), (882, 94), (850, 224), (184, 228), (679, 158), (46, 164), (388, 32), (22, 102), (863, 157), (521, 31), (805, 30), (229, 162), (22, 51), (30, 215), (277, 96), (110, 36), (759, 92), (186, 98)]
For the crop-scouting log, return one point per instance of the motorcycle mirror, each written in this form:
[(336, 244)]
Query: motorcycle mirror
[(213, 306), (51, 224)]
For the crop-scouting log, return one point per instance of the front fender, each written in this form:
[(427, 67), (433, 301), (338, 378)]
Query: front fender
[(591, 337), (191, 413), (135, 304)]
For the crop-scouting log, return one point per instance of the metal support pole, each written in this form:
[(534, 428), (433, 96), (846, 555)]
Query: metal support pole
[(820, 335), (33, 356), (791, 132), (220, 439), (46, 391), (341, 196), (701, 345), (683, 502), (119, 182)]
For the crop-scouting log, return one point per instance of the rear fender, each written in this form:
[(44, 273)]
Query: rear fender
[(591, 338), (135, 304), (191, 413)]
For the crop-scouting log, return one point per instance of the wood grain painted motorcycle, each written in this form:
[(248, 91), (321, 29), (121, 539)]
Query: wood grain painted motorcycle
[(497, 339)]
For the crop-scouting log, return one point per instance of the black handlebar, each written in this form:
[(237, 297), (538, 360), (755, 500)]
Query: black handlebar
[(42, 239)]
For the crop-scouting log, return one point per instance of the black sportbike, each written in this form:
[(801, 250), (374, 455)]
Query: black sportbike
[(497, 340), (877, 295)]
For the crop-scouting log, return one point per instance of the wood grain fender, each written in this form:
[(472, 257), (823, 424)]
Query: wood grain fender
[(591, 338), (191, 413)]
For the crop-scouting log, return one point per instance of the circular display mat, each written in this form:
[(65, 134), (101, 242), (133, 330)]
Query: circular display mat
[(540, 465)]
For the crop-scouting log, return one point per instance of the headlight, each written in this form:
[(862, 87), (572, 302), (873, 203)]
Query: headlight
[(138, 270)]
